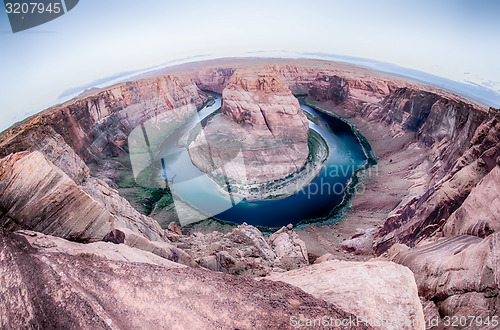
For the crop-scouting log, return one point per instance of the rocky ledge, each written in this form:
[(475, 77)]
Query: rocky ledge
[(432, 207)]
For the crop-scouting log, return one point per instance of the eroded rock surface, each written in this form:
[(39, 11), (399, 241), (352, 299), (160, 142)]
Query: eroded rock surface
[(37, 195), (458, 273), (51, 287), (377, 291), (245, 250), (413, 221), (260, 136)]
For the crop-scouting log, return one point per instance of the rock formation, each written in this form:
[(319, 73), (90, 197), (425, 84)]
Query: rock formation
[(261, 134), (479, 213), (329, 88), (431, 206), (412, 221), (245, 250), (49, 201), (383, 294), (51, 283), (458, 273)]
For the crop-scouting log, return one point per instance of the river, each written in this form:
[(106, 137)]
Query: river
[(315, 201)]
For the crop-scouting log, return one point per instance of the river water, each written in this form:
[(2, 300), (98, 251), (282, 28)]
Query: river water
[(315, 201)]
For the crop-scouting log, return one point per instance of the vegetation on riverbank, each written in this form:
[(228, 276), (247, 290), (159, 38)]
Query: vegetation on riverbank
[(281, 188), (336, 213)]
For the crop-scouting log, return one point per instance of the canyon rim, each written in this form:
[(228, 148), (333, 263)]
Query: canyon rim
[(85, 243)]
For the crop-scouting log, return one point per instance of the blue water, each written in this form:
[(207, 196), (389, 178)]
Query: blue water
[(315, 201)]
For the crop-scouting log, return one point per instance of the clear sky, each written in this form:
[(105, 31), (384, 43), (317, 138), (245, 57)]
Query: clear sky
[(456, 39)]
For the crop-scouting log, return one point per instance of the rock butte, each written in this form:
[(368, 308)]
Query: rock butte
[(262, 122), (432, 207)]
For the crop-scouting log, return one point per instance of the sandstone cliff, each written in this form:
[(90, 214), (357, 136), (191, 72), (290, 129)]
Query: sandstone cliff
[(446, 152), (97, 125), (435, 191), (261, 134), (424, 214)]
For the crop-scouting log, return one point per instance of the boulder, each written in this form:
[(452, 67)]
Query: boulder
[(323, 258), (381, 293), (125, 215), (291, 251), (175, 228), (359, 243)]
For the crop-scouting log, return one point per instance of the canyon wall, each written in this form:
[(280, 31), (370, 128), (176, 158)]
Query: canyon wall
[(454, 133), (445, 228), (96, 126), (443, 224)]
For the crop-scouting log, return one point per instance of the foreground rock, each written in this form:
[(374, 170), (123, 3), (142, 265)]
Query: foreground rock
[(458, 273), (37, 195), (53, 204), (260, 136), (51, 287), (246, 251), (383, 294)]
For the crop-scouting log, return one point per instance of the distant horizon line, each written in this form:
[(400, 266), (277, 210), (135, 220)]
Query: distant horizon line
[(468, 89), (481, 95)]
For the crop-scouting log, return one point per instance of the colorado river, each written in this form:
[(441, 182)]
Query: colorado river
[(314, 201)]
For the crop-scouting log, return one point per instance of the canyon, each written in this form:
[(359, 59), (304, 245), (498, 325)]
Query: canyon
[(422, 232)]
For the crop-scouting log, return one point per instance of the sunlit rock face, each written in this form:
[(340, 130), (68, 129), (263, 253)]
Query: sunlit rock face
[(260, 135)]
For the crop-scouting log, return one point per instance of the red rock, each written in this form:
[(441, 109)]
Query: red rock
[(261, 135)]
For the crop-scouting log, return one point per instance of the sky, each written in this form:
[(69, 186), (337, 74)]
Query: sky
[(455, 39)]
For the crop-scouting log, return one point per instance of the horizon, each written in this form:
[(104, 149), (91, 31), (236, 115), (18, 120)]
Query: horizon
[(70, 53)]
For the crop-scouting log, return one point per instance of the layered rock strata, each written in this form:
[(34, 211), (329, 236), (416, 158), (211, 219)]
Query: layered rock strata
[(48, 202), (457, 273), (97, 125), (260, 136), (435, 188)]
